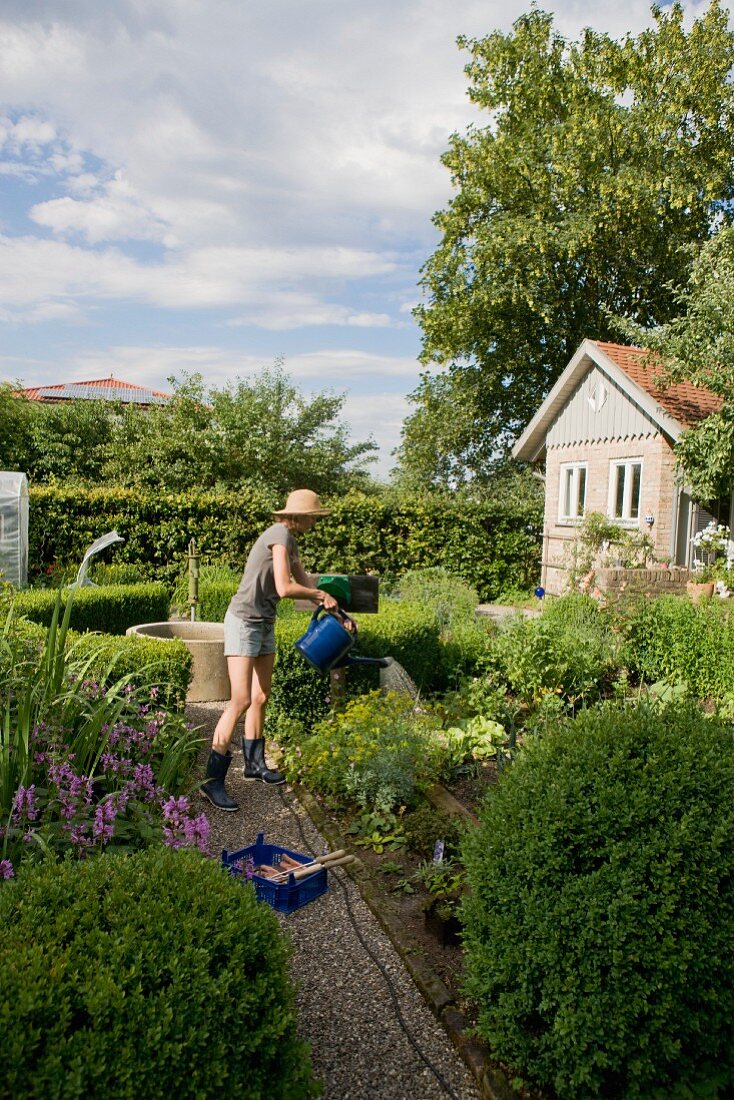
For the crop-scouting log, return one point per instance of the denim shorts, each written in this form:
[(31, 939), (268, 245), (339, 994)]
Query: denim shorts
[(248, 637)]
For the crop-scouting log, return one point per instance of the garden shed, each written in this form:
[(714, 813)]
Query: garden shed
[(606, 433), (14, 528)]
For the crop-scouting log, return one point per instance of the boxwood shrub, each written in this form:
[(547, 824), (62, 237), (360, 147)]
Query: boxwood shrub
[(150, 663), (600, 931), (21, 643), (152, 975), (111, 608)]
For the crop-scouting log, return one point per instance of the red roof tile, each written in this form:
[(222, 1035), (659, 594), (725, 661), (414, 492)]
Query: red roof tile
[(687, 403)]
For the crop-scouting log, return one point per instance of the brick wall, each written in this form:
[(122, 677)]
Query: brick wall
[(657, 496)]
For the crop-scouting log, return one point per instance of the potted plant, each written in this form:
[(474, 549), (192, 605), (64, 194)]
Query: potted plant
[(713, 549)]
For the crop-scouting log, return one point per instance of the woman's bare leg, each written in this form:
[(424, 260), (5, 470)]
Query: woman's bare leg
[(241, 671), (260, 686)]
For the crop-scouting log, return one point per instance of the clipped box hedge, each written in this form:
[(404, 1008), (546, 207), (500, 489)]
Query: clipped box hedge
[(111, 608), (154, 975), (599, 933), (149, 662)]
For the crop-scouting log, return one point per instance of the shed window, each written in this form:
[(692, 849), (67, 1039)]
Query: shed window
[(573, 491), (624, 489)]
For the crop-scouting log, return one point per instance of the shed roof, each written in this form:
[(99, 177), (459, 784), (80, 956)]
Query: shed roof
[(673, 409), (98, 389)]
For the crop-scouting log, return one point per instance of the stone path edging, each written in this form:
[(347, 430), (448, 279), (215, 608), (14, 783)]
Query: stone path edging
[(493, 1084)]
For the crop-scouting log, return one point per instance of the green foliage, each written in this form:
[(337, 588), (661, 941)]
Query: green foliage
[(151, 976), (262, 433), (569, 650), (379, 830), (117, 573), (85, 762), (450, 597), (378, 753), (21, 645), (586, 144), (472, 740), (600, 925), (163, 665), (669, 638), (112, 608), (600, 541), (424, 825), (697, 347), (217, 586), (489, 543)]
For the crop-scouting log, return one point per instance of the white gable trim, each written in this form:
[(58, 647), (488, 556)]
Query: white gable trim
[(529, 447)]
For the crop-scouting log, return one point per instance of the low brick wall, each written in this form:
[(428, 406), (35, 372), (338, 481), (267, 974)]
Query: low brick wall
[(642, 580)]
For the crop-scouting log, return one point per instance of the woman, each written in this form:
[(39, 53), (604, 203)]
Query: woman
[(272, 573)]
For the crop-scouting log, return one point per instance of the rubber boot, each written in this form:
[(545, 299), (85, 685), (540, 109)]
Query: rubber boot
[(255, 766), (217, 767)]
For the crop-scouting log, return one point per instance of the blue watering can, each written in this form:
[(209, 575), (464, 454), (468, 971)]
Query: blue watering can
[(327, 644)]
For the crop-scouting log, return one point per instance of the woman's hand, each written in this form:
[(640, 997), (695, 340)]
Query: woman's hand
[(329, 602)]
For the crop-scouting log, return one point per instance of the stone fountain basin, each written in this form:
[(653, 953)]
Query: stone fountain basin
[(205, 642)]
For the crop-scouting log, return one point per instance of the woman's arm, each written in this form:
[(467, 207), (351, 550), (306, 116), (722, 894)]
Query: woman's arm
[(291, 581)]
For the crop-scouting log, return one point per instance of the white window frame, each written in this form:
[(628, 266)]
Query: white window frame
[(570, 477), (627, 464)]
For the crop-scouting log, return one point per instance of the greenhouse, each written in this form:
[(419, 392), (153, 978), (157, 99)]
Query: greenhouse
[(14, 528)]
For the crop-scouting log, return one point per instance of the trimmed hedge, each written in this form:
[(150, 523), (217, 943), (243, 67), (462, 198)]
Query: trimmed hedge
[(21, 644), (670, 638), (112, 608), (153, 975), (493, 545), (600, 932), (150, 663)]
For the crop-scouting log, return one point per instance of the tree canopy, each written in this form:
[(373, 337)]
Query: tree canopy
[(698, 347), (601, 161), (262, 431)]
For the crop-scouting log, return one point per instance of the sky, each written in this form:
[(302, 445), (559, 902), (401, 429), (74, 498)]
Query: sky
[(215, 185)]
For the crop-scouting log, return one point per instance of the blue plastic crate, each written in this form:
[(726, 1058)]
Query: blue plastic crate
[(285, 896)]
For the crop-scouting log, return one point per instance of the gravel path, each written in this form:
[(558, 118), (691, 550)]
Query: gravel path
[(349, 1004)]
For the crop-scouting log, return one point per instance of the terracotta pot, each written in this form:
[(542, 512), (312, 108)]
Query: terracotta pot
[(698, 589)]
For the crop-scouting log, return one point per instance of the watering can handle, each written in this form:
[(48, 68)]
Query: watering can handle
[(339, 614)]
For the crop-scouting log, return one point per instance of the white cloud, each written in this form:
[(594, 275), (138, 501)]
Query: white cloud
[(114, 215)]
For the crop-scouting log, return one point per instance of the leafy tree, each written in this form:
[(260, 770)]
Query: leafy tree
[(261, 432), (16, 428), (698, 347), (600, 161), (272, 434)]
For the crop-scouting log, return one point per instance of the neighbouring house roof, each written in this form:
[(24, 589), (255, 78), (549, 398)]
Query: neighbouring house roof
[(672, 409), (99, 389)]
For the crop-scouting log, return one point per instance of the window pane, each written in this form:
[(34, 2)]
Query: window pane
[(567, 483), (635, 491), (581, 498), (619, 493)]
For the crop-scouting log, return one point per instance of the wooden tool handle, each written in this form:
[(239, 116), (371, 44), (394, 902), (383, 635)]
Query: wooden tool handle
[(311, 868)]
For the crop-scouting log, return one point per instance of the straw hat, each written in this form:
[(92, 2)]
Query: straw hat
[(302, 502)]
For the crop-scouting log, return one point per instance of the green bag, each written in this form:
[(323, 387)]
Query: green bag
[(337, 586)]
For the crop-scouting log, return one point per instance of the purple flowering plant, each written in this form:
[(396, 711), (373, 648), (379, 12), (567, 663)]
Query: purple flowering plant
[(87, 764)]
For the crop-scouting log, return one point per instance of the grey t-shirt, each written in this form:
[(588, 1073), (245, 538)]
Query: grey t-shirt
[(257, 597)]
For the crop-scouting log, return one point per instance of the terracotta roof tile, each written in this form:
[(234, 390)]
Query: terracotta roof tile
[(687, 403)]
